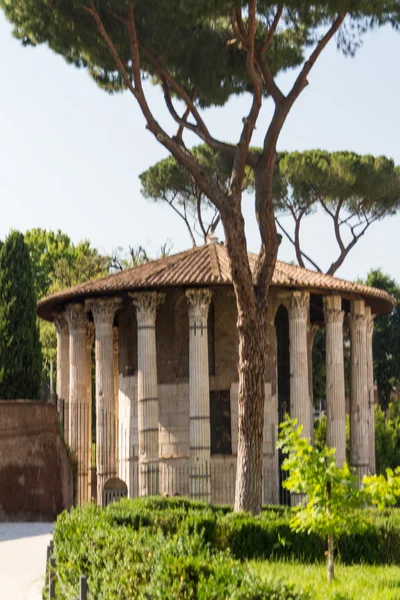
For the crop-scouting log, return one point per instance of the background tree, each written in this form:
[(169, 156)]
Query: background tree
[(354, 191), (201, 53), (387, 437), (168, 181), (386, 340), (20, 351), (136, 256), (58, 263)]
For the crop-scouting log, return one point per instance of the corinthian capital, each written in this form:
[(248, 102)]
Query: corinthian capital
[(199, 303), (333, 310), (146, 304), (103, 310), (299, 305), (76, 317), (60, 321), (357, 319)]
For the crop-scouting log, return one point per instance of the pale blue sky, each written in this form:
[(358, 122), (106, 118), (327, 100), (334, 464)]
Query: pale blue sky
[(70, 154)]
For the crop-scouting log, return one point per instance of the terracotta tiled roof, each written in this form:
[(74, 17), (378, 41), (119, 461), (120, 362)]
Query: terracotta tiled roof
[(205, 265)]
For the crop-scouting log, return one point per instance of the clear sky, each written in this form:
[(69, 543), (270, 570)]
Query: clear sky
[(70, 154)]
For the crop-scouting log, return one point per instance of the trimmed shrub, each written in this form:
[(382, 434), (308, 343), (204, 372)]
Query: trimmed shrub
[(176, 549), (267, 536)]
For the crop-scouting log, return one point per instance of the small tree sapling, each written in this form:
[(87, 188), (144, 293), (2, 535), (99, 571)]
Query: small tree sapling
[(329, 493)]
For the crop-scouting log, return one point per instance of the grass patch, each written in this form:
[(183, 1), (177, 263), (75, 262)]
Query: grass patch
[(358, 582)]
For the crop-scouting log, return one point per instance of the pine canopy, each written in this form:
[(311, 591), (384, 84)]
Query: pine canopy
[(193, 40)]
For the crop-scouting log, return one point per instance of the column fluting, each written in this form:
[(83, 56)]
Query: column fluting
[(62, 385), (359, 413), (146, 304), (311, 331), (300, 407), (371, 396), (103, 310), (335, 390), (77, 323), (87, 413), (199, 394), (116, 389)]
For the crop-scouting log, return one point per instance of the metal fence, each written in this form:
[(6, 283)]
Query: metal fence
[(211, 481)]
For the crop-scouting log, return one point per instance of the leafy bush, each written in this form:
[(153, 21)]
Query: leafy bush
[(177, 549), (387, 437), (149, 549), (265, 537)]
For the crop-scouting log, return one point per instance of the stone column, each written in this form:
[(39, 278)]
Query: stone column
[(146, 304), (270, 454), (359, 413), (103, 310), (300, 407), (88, 416), (62, 386), (77, 322), (311, 331), (116, 387), (335, 391), (199, 394), (371, 397)]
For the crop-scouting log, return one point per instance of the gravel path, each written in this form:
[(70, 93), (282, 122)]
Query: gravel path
[(23, 559)]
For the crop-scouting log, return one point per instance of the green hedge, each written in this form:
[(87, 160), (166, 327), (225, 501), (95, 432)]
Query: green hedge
[(149, 550), (178, 549)]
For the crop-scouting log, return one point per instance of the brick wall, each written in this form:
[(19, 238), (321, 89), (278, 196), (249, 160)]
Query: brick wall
[(35, 473)]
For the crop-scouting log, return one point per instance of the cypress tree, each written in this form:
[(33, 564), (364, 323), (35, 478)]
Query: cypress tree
[(20, 351)]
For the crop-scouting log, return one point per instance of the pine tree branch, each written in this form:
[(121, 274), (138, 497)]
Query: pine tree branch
[(271, 31), (200, 218), (185, 117), (301, 81), (269, 82), (242, 151), (214, 192), (200, 129), (183, 217), (303, 254), (91, 10), (260, 56)]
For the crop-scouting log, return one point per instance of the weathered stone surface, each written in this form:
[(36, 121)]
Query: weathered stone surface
[(371, 397), (335, 393), (35, 473), (199, 394), (359, 413), (103, 310), (62, 385), (146, 309), (300, 407), (78, 396)]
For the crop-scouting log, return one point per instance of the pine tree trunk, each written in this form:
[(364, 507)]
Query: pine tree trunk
[(251, 303), (251, 290), (331, 568), (251, 398)]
